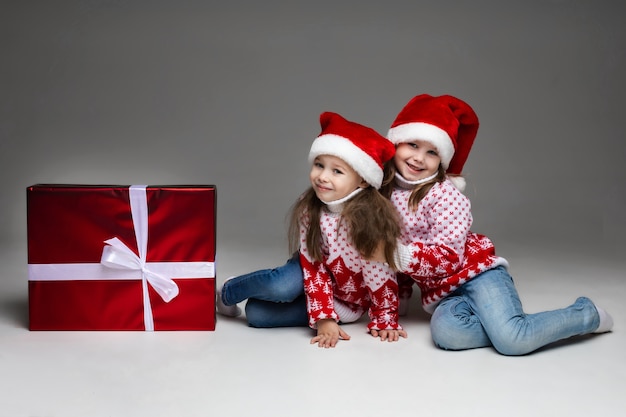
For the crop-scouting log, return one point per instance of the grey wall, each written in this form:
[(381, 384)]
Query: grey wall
[(166, 92)]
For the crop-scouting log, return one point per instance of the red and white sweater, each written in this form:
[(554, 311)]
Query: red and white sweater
[(438, 250), (344, 286)]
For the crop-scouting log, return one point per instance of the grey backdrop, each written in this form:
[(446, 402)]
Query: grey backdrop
[(229, 93)]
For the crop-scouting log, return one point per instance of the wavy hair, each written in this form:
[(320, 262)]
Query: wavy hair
[(371, 220)]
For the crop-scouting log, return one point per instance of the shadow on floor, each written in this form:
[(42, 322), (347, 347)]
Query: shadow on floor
[(15, 311)]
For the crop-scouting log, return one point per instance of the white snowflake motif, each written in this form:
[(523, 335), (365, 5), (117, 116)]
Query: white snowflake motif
[(386, 318), (441, 269), (322, 315), (485, 243), (472, 249)]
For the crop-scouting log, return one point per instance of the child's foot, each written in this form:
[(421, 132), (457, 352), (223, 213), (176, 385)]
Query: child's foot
[(223, 309), (606, 321)]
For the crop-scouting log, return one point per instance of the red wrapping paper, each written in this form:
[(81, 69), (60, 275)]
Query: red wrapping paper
[(68, 224)]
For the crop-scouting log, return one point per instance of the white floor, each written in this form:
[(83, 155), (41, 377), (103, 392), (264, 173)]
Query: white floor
[(240, 371)]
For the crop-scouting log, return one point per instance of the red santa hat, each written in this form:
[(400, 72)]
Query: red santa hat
[(447, 122), (364, 149)]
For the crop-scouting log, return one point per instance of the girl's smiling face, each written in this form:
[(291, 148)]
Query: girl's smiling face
[(416, 160), (333, 179)]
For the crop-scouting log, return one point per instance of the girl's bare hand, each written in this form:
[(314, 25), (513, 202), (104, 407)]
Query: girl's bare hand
[(328, 334), (389, 335)]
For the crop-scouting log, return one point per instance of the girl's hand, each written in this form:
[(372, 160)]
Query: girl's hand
[(329, 333), (388, 335)]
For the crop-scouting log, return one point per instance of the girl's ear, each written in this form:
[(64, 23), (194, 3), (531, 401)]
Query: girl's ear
[(363, 184)]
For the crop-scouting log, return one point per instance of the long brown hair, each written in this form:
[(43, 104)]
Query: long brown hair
[(371, 220), (419, 192)]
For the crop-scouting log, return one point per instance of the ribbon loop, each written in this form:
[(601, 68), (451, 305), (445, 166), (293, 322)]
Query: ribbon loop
[(119, 256)]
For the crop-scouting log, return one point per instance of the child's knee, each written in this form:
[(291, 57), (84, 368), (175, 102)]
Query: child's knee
[(452, 339), (288, 292), (256, 315), (511, 348), (511, 343)]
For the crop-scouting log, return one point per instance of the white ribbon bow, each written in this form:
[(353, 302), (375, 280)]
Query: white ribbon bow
[(117, 255)]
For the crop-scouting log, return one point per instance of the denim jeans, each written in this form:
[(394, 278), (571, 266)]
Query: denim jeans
[(275, 296), (486, 311)]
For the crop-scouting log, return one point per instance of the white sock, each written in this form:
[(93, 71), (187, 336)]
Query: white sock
[(606, 321), (223, 309)]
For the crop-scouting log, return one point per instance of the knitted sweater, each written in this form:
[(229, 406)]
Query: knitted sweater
[(438, 250), (344, 286)]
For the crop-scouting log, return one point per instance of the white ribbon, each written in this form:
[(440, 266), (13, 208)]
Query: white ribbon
[(98, 272), (117, 255)]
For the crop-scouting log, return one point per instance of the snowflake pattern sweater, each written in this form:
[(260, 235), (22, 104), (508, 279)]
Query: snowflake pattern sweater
[(344, 286), (438, 250)]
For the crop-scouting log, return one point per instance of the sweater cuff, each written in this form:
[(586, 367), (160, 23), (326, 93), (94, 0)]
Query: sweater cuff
[(402, 256), (373, 325)]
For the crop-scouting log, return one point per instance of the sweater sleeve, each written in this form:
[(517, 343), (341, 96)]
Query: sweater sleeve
[(319, 291), (318, 286), (448, 216), (382, 286)]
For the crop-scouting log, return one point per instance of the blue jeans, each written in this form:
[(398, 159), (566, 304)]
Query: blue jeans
[(486, 311), (275, 296)]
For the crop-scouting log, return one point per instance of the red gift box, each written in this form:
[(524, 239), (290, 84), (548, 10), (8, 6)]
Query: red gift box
[(121, 258)]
